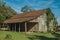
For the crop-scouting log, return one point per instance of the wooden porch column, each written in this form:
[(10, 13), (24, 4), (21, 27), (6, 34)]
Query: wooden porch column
[(15, 27), (19, 27), (8, 27), (25, 27), (0, 26), (3, 24)]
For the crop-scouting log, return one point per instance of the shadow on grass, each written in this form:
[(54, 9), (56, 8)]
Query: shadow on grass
[(35, 37), (38, 37), (56, 35)]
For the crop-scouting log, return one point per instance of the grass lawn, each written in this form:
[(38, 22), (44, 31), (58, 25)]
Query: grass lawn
[(8, 35)]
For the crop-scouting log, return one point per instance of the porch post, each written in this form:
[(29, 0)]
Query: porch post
[(8, 26), (15, 27), (0, 26), (3, 24), (19, 27), (25, 27)]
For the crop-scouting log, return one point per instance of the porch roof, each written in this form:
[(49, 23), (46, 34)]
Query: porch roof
[(27, 16)]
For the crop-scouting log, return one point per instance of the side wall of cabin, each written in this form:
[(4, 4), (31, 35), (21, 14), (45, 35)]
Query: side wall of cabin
[(33, 25), (42, 23)]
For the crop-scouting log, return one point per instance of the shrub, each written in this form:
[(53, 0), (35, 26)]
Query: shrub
[(8, 37)]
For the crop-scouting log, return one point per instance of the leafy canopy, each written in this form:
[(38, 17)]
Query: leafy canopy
[(26, 9), (5, 11)]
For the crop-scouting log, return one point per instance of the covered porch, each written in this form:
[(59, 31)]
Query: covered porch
[(24, 27)]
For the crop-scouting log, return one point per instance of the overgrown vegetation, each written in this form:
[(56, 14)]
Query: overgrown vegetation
[(27, 9), (50, 17), (5, 11), (8, 37)]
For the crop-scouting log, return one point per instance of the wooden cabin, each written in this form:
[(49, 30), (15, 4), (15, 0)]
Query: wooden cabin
[(33, 21)]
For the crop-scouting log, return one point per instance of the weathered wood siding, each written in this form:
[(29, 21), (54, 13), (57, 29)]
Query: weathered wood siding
[(35, 20), (51, 25), (42, 23), (32, 27)]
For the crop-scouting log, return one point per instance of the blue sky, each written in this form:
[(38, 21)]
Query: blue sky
[(36, 4)]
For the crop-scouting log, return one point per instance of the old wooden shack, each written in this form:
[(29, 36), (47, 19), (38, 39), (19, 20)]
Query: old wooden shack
[(33, 21)]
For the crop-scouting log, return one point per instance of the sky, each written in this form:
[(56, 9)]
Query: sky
[(36, 4)]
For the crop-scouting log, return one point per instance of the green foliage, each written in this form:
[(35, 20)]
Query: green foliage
[(26, 9), (50, 16), (5, 12)]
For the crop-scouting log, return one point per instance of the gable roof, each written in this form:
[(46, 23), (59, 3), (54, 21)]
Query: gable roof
[(23, 17)]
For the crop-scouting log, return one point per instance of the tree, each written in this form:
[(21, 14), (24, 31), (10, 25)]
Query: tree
[(27, 9), (5, 11)]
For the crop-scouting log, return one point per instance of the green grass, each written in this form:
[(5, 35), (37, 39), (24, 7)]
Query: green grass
[(23, 36), (15, 35)]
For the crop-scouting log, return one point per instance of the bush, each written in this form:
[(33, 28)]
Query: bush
[(8, 37)]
